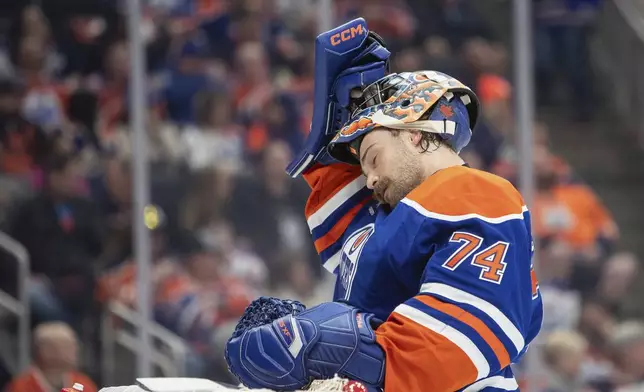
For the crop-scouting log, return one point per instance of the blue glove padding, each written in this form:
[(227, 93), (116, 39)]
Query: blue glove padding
[(346, 57), (319, 343)]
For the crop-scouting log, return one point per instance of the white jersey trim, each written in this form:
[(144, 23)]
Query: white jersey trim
[(344, 194), (457, 218), (460, 296), (333, 262), (297, 344), (453, 335), (498, 382)]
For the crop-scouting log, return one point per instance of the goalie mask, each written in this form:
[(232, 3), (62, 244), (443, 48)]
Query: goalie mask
[(426, 101)]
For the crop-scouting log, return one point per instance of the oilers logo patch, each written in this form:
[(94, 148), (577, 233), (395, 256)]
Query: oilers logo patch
[(351, 251)]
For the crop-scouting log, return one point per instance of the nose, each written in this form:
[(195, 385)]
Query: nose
[(372, 180)]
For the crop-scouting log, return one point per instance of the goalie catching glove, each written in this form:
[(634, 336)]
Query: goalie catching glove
[(280, 345)]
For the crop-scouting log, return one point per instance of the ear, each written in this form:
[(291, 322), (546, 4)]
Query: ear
[(415, 137)]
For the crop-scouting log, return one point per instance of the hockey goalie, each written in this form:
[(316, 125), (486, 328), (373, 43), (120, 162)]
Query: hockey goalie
[(435, 287)]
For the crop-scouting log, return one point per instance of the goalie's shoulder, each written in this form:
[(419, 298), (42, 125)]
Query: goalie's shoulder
[(459, 193)]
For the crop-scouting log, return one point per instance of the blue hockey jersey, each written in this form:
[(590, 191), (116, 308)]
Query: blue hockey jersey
[(449, 269)]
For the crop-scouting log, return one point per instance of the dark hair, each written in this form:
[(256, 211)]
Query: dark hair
[(429, 142)]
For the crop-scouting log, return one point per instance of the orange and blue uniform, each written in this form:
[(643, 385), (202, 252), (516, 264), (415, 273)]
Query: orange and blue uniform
[(449, 269)]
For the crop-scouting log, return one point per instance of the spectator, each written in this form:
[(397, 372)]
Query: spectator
[(300, 89), (627, 344), (507, 157), (252, 87), (406, 59), (277, 120), (439, 55), (33, 23), (301, 283), (201, 299), (44, 100), (113, 88), (495, 94), (55, 365), (244, 264), (562, 304), (570, 212), (617, 280), (83, 32), (216, 141), (564, 353), (391, 18), (276, 225), (563, 31), (81, 132), (23, 145), (597, 325), (37, 62), (188, 77), (204, 203), (119, 282), (63, 233), (163, 140), (111, 189)]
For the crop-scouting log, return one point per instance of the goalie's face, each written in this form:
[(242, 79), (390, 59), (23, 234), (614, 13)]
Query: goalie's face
[(392, 164)]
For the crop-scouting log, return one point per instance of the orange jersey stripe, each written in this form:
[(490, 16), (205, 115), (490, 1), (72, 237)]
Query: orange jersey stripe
[(325, 182), (418, 359), (460, 190), (339, 228), (473, 322)]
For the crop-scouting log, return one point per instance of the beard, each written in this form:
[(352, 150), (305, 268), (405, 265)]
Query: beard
[(407, 175)]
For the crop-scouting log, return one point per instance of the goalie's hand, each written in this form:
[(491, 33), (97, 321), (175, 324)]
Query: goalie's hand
[(322, 342)]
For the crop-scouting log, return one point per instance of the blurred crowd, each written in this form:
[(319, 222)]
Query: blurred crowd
[(229, 100)]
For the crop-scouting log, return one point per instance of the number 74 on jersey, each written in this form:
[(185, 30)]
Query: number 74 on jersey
[(491, 260)]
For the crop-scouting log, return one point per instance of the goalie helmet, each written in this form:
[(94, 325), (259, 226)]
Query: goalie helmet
[(427, 101)]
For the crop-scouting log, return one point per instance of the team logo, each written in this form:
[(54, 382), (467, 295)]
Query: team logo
[(446, 111), (351, 251)]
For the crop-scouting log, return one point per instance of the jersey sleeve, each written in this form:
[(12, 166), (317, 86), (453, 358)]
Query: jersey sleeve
[(476, 307), (339, 199)]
